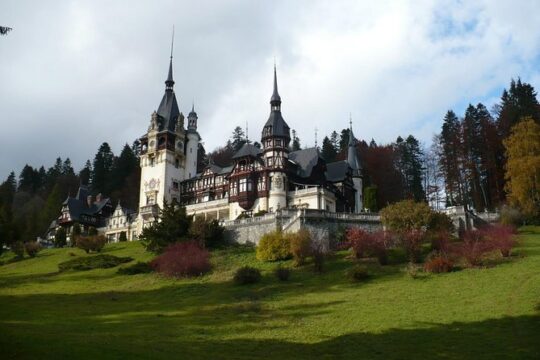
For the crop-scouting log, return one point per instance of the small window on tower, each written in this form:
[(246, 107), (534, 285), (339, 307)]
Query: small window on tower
[(151, 160), (177, 163)]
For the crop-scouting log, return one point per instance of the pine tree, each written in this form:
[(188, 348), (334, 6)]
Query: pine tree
[(517, 103), (328, 151), (238, 138), (67, 168), (344, 140), (450, 158), (102, 168), (86, 173), (295, 142), (29, 179)]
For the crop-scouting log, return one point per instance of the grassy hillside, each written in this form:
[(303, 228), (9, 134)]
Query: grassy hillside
[(474, 313)]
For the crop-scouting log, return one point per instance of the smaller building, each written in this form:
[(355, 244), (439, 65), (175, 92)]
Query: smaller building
[(122, 220)]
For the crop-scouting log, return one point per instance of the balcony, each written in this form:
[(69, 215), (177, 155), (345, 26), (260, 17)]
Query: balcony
[(149, 212)]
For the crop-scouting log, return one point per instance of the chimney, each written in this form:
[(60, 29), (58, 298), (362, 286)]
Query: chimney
[(99, 197), (89, 200)]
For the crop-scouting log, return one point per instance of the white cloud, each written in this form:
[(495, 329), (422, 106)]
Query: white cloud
[(80, 73)]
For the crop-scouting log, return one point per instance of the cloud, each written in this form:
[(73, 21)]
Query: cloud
[(76, 74)]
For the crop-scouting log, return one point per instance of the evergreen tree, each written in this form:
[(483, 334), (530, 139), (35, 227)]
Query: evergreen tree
[(295, 142), (8, 231), (86, 173), (52, 207), (517, 103), (409, 163), (344, 140), (450, 158), (67, 168), (328, 151), (238, 138), (102, 168), (29, 179), (123, 166)]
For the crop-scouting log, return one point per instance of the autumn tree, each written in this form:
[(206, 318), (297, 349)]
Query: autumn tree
[(523, 167)]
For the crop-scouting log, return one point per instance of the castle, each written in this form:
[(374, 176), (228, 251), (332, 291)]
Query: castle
[(264, 180)]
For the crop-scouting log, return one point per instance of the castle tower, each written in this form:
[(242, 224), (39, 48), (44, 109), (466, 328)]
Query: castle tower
[(192, 145), (275, 142), (354, 164), (163, 156)]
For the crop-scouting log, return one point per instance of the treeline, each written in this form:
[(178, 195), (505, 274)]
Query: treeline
[(30, 202)]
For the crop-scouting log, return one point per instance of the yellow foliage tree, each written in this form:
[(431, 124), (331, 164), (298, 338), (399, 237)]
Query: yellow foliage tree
[(523, 167)]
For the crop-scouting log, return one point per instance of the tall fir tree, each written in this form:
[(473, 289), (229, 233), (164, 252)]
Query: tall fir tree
[(328, 152), (102, 168)]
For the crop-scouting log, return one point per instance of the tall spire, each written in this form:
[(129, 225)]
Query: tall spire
[(169, 83), (352, 157), (275, 100)]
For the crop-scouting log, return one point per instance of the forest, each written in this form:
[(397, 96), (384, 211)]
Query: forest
[(483, 159)]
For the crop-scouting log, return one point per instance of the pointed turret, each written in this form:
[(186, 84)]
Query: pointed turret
[(169, 83), (168, 108), (352, 156), (275, 125), (192, 118)]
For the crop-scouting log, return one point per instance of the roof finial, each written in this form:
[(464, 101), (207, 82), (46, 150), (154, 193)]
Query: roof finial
[(169, 83), (193, 105), (247, 132), (172, 41), (276, 99), (316, 136), (350, 120)]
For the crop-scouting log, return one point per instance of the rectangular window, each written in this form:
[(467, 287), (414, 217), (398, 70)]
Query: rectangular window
[(243, 183)]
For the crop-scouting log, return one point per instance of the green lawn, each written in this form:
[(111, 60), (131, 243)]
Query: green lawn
[(469, 314)]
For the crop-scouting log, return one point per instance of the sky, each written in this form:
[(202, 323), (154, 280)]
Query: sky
[(74, 74)]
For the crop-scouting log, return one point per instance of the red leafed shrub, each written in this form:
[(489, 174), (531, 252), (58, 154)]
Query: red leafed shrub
[(501, 238), (412, 243), (365, 243), (440, 242), (358, 240), (182, 259), (438, 264), (473, 247)]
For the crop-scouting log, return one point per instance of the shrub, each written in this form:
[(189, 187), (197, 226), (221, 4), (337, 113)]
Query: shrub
[(60, 237), (92, 231), (363, 243), (273, 246), (511, 216), (282, 273), (91, 243), (32, 248), (412, 270), (319, 257), (122, 237), (75, 233), (473, 247), (206, 233), (438, 264), (358, 273), (412, 243), (440, 222), (93, 262), (359, 241), (260, 213), (300, 246), (501, 238), (440, 241), (247, 275), (173, 227), (137, 268), (182, 259), (406, 215), (18, 249)]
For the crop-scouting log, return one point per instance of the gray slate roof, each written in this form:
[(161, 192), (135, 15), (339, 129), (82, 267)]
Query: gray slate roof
[(306, 159), (247, 150), (337, 171)]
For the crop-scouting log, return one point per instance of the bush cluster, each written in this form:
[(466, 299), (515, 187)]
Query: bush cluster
[(18, 249), (273, 246), (300, 246), (364, 243), (438, 264), (182, 259), (91, 243), (93, 262), (32, 248), (282, 273), (358, 273), (137, 268), (247, 275)]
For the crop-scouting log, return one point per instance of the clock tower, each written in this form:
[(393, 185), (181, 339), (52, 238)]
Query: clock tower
[(164, 158)]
